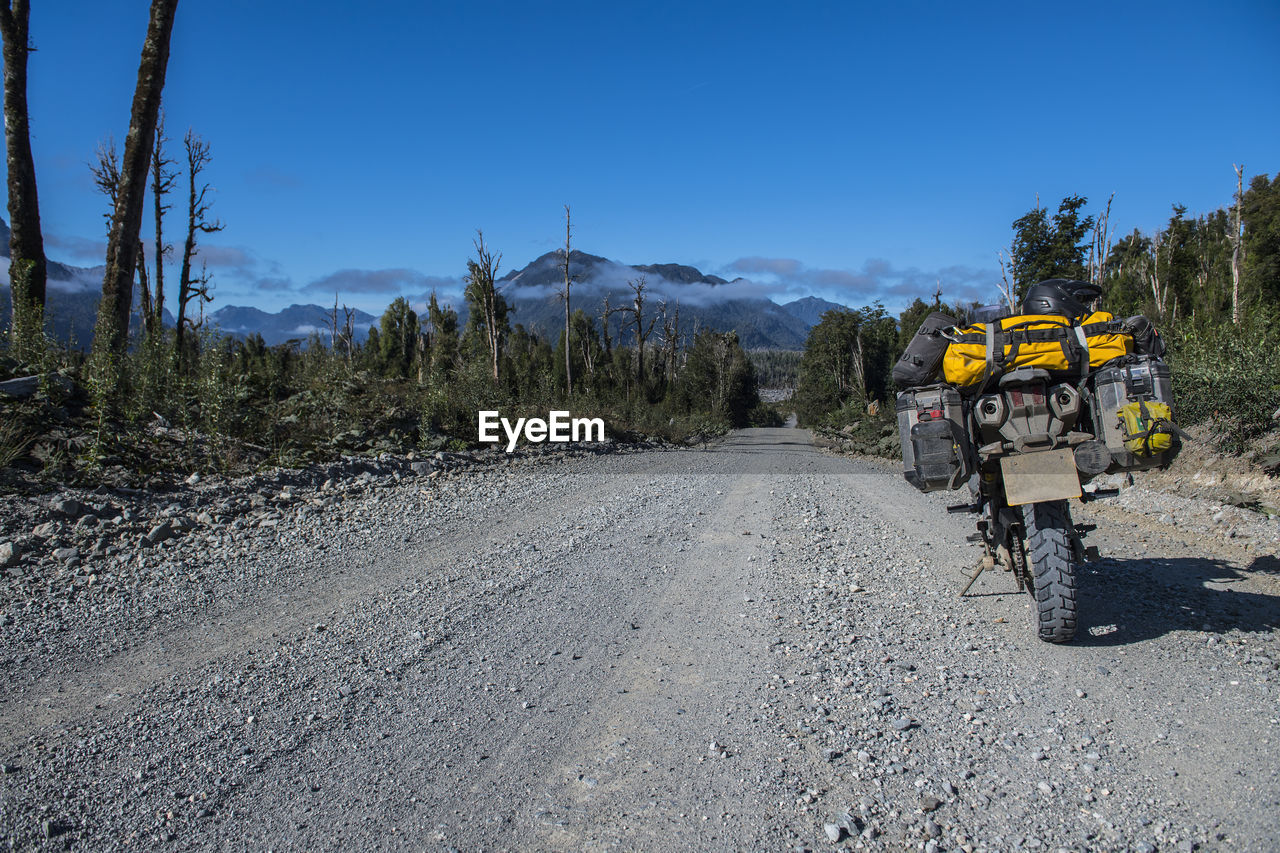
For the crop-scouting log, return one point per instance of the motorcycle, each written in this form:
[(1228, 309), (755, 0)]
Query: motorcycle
[(1028, 446)]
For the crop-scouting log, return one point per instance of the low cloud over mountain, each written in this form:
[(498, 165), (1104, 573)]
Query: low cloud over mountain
[(753, 300), (878, 280), (703, 301)]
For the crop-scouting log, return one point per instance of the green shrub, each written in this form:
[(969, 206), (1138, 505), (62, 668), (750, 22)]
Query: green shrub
[(1229, 376)]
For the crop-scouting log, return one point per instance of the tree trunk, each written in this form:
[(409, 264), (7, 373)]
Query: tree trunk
[(144, 289), (189, 287), (27, 266), (161, 184), (1236, 244), (568, 365), (112, 332)]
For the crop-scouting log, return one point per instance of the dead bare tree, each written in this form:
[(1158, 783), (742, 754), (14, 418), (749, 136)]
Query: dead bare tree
[(1159, 289), (333, 324), (636, 310), (341, 334), (28, 271), (198, 204), (348, 334), (106, 177), (605, 313), (1237, 245), (670, 340), (1006, 287), (112, 331), (564, 294), (144, 289), (482, 291), (1100, 246), (859, 363), (162, 182)]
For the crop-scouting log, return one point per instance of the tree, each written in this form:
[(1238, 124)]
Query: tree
[(670, 341), (162, 182), (564, 294), (1044, 248), (342, 335), (585, 354), (718, 376), (847, 358), (27, 265), (106, 177), (642, 330), (1100, 245), (112, 331), (1124, 275), (198, 204), (488, 309), (1260, 211), (443, 334), (397, 339)]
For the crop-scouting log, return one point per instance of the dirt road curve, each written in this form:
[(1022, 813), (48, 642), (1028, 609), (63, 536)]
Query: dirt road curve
[(755, 646)]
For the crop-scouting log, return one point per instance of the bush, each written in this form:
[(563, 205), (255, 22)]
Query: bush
[(1229, 376)]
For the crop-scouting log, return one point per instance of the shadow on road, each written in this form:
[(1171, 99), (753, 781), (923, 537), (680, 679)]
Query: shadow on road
[(1128, 601)]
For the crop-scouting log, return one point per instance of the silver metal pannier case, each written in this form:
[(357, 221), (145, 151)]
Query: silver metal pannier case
[(1127, 380), (936, 451)]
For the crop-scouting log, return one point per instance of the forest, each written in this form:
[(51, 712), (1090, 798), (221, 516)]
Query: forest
[(1210, 284)]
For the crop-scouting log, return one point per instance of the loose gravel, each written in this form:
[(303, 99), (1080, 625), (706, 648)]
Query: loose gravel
[(752, 646)]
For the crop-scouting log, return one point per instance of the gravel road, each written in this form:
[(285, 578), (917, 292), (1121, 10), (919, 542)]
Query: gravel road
[(752, 646)]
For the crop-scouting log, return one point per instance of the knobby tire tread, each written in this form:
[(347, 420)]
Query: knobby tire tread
[(1053, 569)]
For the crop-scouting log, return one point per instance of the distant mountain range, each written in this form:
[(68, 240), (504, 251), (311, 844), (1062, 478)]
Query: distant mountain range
[(296, 322), (703, 301)]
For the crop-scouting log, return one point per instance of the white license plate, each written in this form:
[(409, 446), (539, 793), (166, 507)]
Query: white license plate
[(1047, 475)]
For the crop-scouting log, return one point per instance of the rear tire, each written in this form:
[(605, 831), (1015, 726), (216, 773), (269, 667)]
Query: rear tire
[(1053, 569)]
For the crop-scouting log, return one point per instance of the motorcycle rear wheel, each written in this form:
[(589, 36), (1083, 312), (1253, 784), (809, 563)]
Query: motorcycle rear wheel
[(1048, 530)]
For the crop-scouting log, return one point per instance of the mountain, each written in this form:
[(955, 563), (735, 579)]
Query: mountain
[(704, 301), (810, 309), (296, 322), (56, 272)]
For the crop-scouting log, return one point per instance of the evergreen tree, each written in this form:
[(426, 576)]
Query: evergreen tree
[(1045, 248), (718, 375), (444, 337), (397, 341), (1261, 214), (848, 359)]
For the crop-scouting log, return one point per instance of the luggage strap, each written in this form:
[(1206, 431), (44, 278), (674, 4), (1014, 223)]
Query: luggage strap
[(990, 340), (1155, 426), (1017, 335), (1083, 338)]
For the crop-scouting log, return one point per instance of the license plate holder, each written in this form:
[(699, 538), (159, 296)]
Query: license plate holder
[(1046, 475)]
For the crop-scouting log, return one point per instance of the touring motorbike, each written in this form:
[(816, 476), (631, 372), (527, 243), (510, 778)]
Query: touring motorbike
[(1026, 446)]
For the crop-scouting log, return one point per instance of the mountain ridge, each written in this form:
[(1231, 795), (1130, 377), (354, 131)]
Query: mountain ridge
[(702, 300)]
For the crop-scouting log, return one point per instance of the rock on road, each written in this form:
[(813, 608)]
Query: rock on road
[(752, 646)]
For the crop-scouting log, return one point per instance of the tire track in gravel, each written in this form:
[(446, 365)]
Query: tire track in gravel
[(496, 699), (333, 583), (669, 754)]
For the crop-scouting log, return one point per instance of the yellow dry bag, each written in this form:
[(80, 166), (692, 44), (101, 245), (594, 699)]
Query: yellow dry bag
[(1058, 344), (1148, 427)]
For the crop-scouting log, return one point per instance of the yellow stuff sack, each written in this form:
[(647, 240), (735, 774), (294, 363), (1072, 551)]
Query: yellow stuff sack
[(1148, 427), (982, 350)]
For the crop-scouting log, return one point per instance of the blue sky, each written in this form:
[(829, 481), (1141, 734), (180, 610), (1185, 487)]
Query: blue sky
[(850, 150)]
